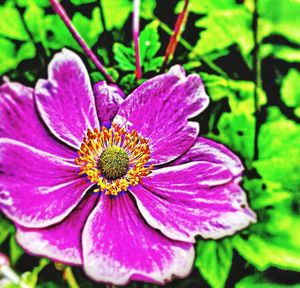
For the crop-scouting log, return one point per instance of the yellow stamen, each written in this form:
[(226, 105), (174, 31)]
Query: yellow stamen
[(115, 141)]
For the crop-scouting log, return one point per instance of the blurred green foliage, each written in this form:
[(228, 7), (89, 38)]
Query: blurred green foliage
[(254, 105)]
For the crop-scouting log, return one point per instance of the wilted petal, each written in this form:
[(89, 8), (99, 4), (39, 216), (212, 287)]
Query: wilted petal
[(108, 100), (213, 152), (160, 108), (193, 199), (60, 242), (65, 101), (118, 246), (19, 121), (39, 189)]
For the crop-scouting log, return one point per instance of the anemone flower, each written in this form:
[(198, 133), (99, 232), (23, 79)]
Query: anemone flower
[(119, 185)]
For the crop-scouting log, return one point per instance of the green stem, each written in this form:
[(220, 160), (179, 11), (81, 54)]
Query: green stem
[(257, 78), (102, 16), (189, 47), (69, 277)]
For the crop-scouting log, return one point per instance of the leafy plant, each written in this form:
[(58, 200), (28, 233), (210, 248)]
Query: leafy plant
[(250, 68)]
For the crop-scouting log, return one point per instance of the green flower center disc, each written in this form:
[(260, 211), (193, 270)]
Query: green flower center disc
[(113, 162)]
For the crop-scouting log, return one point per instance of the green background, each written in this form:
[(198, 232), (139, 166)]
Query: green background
[(250, 68)]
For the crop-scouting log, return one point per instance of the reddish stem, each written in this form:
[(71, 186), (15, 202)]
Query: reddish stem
[(136, 36), (65, 18), (181, 20)]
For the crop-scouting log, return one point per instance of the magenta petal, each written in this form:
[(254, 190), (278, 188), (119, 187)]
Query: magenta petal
[(193, 199), (160, 108), (19, 121), (118, 246), (60, 242), (37, 189), (65, 101), (211, 151), (108, 100)]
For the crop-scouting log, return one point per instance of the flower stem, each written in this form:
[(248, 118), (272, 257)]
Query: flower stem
[(181, 20), (70, 278), (136, 36), (102, 16), (257, 79), (63, 15)]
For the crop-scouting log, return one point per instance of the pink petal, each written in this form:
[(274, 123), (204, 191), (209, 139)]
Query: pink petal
[(193, 199), (65, 101), (60, 242), (160, 108), (37, 189), (19, 121), (118, 246), (213, 152), (108, 100)]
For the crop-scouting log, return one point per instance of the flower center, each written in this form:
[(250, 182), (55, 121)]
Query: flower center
[(113, 162), (114, 159)]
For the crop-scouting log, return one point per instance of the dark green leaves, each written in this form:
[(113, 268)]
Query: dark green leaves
[(149, 46)]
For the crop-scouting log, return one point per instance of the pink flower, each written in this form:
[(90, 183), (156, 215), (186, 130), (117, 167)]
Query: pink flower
[(159, 184)]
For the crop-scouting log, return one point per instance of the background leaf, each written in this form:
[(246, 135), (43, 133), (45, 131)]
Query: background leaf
[(214, 261)]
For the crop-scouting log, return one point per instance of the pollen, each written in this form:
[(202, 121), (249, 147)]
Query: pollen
[(114, 159)]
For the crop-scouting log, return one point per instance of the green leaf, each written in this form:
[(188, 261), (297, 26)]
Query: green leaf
[(10, 58), (6, 229), (58, 35), (34, 18), (40, 3), (260, 281), (273, 242), (15, 251), (79, 2), (90, 29), (237, 132), (26, 51), (147, 9), (225, 23), (214, 261), (278, 143), (149, 41), (284, 20), (240, 93), (264, 193), (7, 56), (124, 56), (282, 52), (11, 25), (289, 93), (149, 46), (116, 12)]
